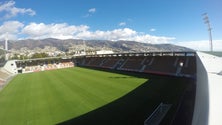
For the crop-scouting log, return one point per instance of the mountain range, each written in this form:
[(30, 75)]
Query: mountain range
[(78, 45)]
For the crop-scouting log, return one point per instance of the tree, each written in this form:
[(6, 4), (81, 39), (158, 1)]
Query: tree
[(39, 55)]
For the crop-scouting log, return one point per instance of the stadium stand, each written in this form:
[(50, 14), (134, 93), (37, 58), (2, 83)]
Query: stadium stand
[(36, 65), (5, 76), (44, 67), (96, 61), (133, 63), (189, 66), (111, 62), (161, 63), (158, 114), (173, 64)]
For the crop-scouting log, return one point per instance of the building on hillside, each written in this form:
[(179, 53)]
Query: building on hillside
[(104, 52)]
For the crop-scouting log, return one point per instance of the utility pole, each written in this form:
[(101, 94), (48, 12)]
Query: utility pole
[(206, 21)]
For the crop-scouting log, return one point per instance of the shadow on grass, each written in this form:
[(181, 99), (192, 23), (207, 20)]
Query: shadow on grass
[(136, 106)]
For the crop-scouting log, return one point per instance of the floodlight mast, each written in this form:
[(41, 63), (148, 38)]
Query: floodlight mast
[(6, 42), (84, 47), (206, 21), (6, 46)]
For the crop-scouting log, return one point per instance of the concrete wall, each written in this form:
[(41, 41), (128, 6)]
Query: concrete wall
[(213, 66), (11, 67), (201, 109)]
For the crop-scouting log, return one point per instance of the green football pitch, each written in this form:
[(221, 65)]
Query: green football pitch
[(52, 97)]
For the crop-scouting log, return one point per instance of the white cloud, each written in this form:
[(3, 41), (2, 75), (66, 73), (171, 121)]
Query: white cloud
[(60, 31), (124, 34), (9, 10), (12, 28), (117, 34), (65, 31), (153, 39), (92, 10), (152, 30), (17, 30), (202, 45), (122, 23)]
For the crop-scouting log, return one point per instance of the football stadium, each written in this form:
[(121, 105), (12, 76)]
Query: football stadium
[(153, 88), (110, 62)]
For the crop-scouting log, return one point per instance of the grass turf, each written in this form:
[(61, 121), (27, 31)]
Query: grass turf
[(52, 97), (134, 107)]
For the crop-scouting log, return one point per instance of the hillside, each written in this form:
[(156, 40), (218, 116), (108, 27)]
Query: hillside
[(216, 53), (74, 44)]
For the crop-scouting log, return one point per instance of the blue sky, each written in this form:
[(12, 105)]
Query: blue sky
[(149, 21)]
